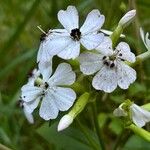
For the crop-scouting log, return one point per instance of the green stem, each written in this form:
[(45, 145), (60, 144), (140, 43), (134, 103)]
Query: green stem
[(96, 123), (3, 147), (116, 35), (93, 144), (140, 131)]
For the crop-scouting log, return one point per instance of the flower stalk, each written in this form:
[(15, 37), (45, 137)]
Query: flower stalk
[(140, 131)]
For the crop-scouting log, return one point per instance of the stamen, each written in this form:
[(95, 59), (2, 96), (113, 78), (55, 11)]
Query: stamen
[(106, 63), (104, 57), (112, 65), (75, 34)]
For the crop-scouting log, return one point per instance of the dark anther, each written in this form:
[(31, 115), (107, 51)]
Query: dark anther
[(20, 103), (122, 59), (43, 37), (46, 85), (75, 34), (112, 65), (106, 63), (104, 57), (120, 54)]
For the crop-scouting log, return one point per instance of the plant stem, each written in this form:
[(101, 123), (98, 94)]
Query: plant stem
[(98, 130), (3, 147), (93, 144)]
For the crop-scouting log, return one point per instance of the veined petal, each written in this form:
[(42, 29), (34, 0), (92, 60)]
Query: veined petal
[(91, 41), (90, 63), (125, 74), (105, 80), (105, 47), (30, 106), (139, 115), (63, 75), (124, 49), (29, 116), (48, 109), (30, 93), (43, 53), (93, 22), (71, 51), (55, 43), (69, 18), (63, 97), (45, 68)]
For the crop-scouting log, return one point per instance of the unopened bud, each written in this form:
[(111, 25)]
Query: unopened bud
[(127, 18), (65, 122)]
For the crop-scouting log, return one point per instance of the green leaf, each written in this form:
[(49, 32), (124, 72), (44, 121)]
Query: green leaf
[(71, 139), (136, 143)]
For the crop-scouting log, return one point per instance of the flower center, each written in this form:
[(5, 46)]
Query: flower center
[(109, 61), (75, 34)]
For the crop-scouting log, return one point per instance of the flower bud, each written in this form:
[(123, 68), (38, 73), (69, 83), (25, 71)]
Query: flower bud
[(127, 18), (65, 122)]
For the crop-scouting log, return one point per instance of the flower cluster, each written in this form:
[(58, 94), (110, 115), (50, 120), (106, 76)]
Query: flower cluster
[(106, 61)]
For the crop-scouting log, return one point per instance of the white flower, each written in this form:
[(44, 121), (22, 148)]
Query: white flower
[(145, 38), (49, 89), (127, 18), (139, 116), (27, 111), (66, 42), (65, 122), (109, 64)]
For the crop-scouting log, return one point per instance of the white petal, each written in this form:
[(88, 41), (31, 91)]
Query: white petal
[(55, 43), (105, 47), (30, 106), (30, 93), (126, 52), (63, 97), (105, 79), (93, 22), (63, 75), (127, 18), (43, 53), (64, 122), (71, 51), (48, 109), (147, 41), (45, 69), (90, 62), (69, 18), (125, 74), (29, 116), (139, 115), (91, 41)]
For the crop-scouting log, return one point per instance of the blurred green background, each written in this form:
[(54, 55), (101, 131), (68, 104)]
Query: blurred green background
[(19, 42)]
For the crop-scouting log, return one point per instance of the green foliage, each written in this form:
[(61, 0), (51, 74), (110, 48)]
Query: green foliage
[(19, 41)]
